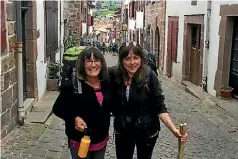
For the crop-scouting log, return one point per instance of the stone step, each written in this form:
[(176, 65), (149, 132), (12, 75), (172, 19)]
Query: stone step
[(42, 109)]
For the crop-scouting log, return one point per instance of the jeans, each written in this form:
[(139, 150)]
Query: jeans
[(125, 145), (99, 154)]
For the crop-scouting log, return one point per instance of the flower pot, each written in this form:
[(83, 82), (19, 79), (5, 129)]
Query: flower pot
[(226, 94), (52, 84)]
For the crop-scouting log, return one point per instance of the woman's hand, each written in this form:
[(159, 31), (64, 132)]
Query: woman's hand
[(167, 121), (79, 124), (177, 134)]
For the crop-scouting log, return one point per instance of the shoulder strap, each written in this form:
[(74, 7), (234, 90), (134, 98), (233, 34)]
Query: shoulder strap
[(148, 83)]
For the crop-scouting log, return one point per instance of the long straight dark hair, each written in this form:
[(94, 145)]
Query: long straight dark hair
[(122, 74)]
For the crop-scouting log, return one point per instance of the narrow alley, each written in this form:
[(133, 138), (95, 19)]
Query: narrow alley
[(193, 48), (212, 132)]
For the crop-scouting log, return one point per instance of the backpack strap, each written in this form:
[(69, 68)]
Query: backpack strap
[(148, 82)]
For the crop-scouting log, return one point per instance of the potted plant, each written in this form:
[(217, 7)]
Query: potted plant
[(53, 69), (226, 92)]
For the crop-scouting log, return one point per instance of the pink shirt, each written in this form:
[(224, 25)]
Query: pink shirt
[(100, 145)]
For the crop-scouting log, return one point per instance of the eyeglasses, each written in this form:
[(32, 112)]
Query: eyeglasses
[(90, 62)]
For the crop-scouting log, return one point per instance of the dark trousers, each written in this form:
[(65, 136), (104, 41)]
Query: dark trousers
[(125, 145), (99, 154)]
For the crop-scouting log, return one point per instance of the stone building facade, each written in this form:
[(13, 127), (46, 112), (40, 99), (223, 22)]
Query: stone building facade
[(8, 93), (154, 29), (74, 15)]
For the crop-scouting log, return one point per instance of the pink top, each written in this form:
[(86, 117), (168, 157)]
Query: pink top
[(99, 95), (100, 145)]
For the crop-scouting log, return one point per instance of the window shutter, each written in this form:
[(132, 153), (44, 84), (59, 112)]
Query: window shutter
[(169, 42), (174, 40), (169, 49), (130, 9), (3, 27), (92, 20), (137, 35), (133, 9), (89, 19)]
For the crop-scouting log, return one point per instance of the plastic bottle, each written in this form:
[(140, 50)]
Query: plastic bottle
[(84, 147)]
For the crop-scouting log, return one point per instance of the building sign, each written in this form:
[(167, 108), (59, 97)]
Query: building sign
[(124, 27)]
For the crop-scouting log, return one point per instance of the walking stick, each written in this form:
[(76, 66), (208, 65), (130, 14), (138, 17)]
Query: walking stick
[(181, 144)]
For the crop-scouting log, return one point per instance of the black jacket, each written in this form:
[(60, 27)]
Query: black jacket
[(145, 102), (85, 105)]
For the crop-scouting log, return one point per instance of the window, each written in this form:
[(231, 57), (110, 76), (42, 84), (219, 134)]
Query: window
[(51, 12), (194, 2)]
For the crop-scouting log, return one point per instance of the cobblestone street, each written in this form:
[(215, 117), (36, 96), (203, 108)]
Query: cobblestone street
[(213, 134)]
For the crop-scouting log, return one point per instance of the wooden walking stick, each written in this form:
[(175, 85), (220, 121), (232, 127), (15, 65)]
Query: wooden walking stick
[(181, 144)]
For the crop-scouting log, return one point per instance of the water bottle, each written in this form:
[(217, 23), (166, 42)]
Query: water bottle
[(84, 145)]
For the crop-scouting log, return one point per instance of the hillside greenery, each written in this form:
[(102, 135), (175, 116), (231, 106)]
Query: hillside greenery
[(105, 9)]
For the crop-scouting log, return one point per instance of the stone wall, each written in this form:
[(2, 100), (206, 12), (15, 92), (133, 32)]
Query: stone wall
[(9, 75), (74, 15), (155, 16)]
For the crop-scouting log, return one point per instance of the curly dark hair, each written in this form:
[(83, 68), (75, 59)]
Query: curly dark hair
[(122, 74), (85, 55)]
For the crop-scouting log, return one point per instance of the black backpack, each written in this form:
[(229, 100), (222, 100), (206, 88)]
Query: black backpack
[(68, 70), (150, 61)]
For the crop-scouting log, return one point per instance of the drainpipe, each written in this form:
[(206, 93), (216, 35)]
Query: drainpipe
[(60, 34), (21, 111), (207, 42), (87, 20)]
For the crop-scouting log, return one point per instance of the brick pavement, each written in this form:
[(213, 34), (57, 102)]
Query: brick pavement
[(213, 134)]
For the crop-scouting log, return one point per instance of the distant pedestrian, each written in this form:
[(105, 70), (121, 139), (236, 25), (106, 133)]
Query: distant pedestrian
[(103, 48), (89, 107), (138, 105)]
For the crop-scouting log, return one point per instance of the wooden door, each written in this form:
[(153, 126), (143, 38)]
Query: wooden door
[(195, 55), (171, 45), (234, 60), (169, 50)]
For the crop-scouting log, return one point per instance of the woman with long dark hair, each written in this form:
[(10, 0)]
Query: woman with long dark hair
[(138, 105), (89, 107)]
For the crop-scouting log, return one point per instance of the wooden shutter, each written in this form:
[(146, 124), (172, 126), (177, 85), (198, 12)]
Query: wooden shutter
[(169, 49), (92, 20), (130, 9), (174, 40), (133, 9), (82, 7), (137, 35), (89, 20), (3, 27)]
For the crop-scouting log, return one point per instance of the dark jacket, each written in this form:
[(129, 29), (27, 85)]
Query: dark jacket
[(145, 102), (85, 105)]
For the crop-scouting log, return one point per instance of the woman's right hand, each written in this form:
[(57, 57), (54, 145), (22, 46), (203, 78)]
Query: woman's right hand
[(79, 124)]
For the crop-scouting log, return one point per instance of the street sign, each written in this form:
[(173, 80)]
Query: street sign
[(124, 27)]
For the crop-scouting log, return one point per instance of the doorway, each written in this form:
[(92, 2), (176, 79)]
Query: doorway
[(192, 67), (24, 10), (233, 82), (195, 53)]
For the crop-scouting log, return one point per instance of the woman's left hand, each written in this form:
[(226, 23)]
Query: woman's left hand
[(179, 136)]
